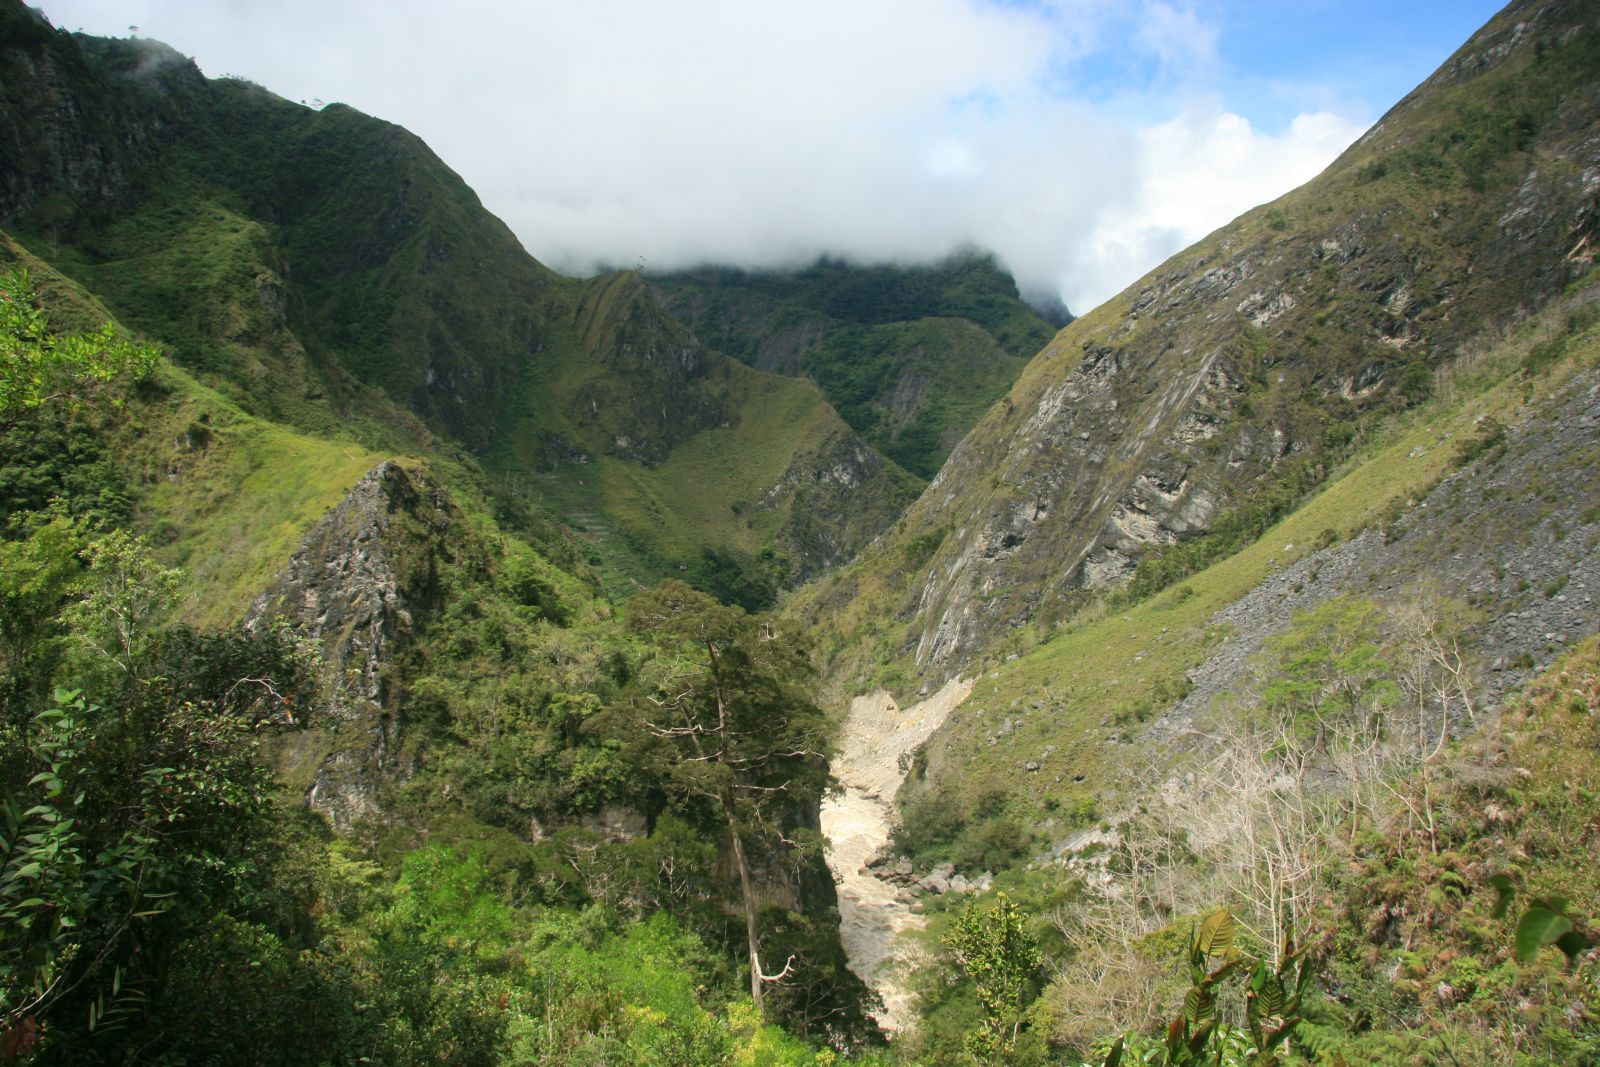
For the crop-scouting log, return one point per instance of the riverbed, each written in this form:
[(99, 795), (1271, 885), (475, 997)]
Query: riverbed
[(879, 738)]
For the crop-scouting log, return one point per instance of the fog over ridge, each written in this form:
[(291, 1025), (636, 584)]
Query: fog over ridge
[(1082, 141)]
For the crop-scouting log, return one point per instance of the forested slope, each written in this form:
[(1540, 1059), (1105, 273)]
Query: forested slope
[(324, 269), (340, 723)]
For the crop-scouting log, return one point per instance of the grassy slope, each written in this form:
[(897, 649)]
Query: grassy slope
[(645, 521), (1112, 667), (1428, 264), (1425, 970), (913, 388), (231, 510), (910, 356), (382, 304), (222, 494)]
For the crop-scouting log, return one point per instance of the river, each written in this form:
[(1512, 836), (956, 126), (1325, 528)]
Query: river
[(878, 740)]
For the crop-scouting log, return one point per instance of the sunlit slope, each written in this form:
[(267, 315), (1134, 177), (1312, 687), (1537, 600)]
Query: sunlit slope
[(675, 459), (1169, 427), (223, 495), (1450, 505)]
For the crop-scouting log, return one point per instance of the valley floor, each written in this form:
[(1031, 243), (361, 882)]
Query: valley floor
[(879, 738)]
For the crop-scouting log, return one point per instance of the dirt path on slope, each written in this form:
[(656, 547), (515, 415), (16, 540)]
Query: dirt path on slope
[(872, 913)]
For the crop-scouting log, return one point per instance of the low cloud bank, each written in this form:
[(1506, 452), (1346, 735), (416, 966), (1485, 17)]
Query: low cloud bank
[(1082, 141)]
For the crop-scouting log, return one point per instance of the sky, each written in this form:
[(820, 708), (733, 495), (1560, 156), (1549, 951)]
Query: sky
[(1083, 141)]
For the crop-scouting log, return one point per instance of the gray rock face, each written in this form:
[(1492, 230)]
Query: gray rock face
[(1109, 462), (354, 587), (1229, 373), (840, 495), (56, 138), (1516, 534), (616, 822)]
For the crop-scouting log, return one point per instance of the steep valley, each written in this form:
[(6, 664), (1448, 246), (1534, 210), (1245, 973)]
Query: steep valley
[(433, 658), (877, 742)]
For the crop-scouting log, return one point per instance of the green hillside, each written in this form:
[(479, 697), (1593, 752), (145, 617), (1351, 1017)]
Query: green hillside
[(431, 684), (910, 356), (387, 674), (1173, 424), (285, 573), (803, 493), (382, 303)]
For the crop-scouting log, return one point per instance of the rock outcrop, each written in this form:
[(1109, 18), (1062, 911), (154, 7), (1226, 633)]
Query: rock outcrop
[(838, 496), (356, 588), (1237, 373)]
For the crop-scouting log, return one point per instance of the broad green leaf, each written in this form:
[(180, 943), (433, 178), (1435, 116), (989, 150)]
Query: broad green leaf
[(1540, 925), (1215, 936), (1267, 1000)]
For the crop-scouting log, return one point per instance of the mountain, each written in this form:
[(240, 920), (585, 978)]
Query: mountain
[(910, 356), (1329, 471), (308, 540), (381, 301), (1173, 424), (1269, 586), (680, 460)]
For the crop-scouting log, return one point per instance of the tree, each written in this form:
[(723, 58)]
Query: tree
[(124, 817), (996, 951), (40, 370), (125, 822), (725, 696), (38, 573)]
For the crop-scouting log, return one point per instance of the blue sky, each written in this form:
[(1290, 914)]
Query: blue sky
[(1273, 59), (1082, 140), (1364, 54)]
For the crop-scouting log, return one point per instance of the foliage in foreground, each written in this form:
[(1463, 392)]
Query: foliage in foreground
[(39, 369)]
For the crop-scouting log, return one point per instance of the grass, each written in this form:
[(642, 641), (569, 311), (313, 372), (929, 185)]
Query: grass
[(1438, 254), (1105, 672), (710, 489), (712, 500), (219, 493), (910, 356), (227, 497), (1417, 914), (716, 487)]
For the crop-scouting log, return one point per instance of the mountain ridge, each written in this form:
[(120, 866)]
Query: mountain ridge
[(1247, 364), (384, 303), (1316, 491), (909, 355)]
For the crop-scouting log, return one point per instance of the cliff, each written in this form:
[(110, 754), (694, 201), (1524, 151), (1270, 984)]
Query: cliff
[(1176, 422)]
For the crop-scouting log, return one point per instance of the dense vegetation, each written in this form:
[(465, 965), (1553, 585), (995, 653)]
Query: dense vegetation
[(909, 355), (563, 812), (163, 899)]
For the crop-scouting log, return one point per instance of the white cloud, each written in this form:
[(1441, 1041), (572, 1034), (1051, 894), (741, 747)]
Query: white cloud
[(1183, 43), (1197, 172), (763, 132)]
